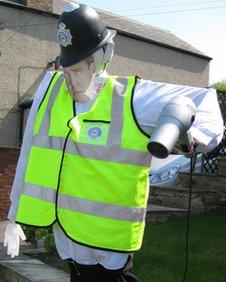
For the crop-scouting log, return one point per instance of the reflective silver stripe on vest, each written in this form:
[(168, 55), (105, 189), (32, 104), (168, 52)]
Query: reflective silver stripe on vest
[(94, 152), (115, 154), (44, 128), (39, 192), (115, 134), (112, 151), (55, 143), (94, 208), (100, 209)]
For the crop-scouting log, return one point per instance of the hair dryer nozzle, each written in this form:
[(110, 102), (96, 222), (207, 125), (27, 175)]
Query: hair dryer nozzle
[(174, 121)]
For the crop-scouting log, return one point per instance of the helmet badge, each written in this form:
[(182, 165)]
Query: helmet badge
[(64, 35)]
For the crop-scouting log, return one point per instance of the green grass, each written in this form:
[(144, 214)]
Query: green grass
[(162, 257)]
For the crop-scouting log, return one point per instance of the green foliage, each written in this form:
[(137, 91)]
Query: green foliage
[(47, 235), (33, 234), (30, 233), (221, 86)]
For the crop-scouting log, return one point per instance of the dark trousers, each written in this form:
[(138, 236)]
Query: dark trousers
[(97, 273)]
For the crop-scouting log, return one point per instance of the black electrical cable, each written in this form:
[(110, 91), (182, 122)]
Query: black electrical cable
[(192, 166)]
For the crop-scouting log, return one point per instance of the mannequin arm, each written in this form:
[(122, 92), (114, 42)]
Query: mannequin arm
[(13, 233)]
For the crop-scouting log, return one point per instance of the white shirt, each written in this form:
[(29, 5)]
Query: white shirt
[(149, 99)]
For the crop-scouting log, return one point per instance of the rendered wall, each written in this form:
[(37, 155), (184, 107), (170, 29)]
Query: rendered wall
[(158, 63)]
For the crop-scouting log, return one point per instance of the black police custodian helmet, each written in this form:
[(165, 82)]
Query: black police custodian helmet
[(80, 33)]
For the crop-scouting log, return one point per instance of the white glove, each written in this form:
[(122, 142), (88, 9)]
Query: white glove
[(13, 233)]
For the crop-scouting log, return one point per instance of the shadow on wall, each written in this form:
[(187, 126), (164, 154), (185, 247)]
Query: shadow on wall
[(29, 78), (11, 121)]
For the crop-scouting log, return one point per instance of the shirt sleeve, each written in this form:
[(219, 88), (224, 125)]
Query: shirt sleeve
[(26, 145), (150, 97)]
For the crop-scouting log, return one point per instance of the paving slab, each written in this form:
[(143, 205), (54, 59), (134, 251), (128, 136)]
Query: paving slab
[(157, 214), (23, 269), (157, 208)]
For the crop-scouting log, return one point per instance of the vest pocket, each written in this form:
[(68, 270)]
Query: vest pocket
[(93, 132)]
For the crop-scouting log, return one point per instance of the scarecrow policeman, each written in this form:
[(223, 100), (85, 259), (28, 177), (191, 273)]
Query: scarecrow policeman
[(84, 164)]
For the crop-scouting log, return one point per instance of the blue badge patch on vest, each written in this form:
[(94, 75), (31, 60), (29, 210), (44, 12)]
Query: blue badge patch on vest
[(94, 132)]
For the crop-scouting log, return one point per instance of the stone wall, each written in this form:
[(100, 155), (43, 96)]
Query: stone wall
[(203, 180), (8, 161), (202, 199), (208, 191)]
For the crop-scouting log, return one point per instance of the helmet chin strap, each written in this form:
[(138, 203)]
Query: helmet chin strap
[(103, 57), (88, 94)]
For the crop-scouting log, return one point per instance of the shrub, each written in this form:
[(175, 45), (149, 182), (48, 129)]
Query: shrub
[(46, 234)]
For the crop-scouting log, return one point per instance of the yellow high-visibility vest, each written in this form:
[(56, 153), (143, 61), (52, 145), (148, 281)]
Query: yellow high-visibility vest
[(89, 172)]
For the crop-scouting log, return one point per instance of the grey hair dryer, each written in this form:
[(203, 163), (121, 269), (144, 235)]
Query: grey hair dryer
[(174, 121)]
